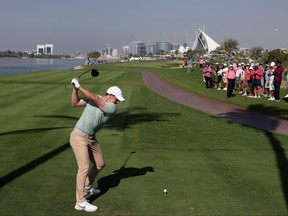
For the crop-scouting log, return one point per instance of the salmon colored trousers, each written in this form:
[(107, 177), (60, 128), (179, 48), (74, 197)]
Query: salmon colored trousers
[(87, 150)]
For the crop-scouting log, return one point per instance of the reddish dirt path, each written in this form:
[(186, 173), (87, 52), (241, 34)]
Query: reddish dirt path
[(213, 107)]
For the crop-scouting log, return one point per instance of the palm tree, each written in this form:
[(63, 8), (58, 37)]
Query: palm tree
[(242, 55), (230, 45), (220, 54), (256, 52)]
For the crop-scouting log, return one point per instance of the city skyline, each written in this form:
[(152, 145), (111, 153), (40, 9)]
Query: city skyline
[(85, 26)]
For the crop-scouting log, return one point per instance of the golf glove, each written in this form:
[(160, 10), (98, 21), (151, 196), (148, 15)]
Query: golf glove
[(75, 83)]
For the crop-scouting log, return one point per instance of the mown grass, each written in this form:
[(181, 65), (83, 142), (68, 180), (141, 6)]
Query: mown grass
[(193, 81), (210, 166)]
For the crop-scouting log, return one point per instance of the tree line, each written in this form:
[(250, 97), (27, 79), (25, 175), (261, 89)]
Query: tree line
[(229, 49), (18, 54)]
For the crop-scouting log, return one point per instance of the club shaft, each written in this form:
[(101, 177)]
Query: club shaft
[(83, 73)]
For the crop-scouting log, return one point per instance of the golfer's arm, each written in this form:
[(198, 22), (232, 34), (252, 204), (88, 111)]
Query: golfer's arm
[(75, 100), (93, 97)]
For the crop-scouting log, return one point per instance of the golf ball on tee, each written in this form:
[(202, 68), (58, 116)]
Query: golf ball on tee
[(165, 190)]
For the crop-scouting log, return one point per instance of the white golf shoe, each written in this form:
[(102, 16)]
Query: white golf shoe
[(86, 206)]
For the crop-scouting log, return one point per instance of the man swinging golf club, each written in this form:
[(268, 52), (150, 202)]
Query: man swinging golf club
[(98, 109)]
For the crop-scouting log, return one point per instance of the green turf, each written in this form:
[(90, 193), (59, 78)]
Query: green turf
[(193, 81), (210, 166)]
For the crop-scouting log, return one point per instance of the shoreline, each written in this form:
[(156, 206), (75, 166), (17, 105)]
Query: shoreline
[(25, 65)]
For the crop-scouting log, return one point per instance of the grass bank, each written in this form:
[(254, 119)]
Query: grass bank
[(210, 166)]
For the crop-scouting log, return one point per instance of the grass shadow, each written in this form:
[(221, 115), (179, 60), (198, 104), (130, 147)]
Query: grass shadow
[(268, 124), (282, 163), (34, 130), (270, 110), (120, 121), (124, 120), (251, 118), (279, 150), (107, 182), (57, 116), (33, 164)]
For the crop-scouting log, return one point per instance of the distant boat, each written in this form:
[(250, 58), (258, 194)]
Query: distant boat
[(79, 57)]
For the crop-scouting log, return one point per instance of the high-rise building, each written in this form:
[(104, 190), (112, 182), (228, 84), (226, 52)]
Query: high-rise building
[(109, 50), (126, 51), (175, 46), (103, 52), (150, 48), (46, 49), (137, 48), (115, 53), (163, 46)]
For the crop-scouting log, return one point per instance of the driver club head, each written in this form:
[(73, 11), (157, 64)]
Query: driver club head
[(94, 72)]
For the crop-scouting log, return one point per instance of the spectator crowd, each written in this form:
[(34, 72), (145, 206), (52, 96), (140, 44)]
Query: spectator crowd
[(252, 80)]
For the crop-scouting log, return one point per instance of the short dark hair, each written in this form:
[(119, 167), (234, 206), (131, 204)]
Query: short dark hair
[(279, 62)]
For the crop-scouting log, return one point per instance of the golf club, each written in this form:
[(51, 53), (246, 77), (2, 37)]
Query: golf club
[(94, 73)]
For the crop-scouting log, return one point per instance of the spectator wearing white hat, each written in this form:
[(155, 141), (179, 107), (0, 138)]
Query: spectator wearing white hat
[(219, 78), (265, 79), (271, 81), (239, 78), (257, 81)]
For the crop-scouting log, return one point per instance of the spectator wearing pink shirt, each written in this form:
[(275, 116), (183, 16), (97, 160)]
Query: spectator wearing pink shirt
[(262, 79), (251, 82), (231, 75), (201, 62), (258, 73), (207, 71)]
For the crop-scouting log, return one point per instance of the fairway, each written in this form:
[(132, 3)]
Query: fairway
[(209, 166)]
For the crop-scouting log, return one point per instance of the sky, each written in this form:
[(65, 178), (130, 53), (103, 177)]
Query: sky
[(88, 25)]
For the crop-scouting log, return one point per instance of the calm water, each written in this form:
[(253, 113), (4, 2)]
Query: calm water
[(19, 65)]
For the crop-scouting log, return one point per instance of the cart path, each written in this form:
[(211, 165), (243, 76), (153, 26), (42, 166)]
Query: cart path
[(213, 107)]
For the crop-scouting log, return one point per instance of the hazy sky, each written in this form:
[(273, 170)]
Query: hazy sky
[(88, 25)]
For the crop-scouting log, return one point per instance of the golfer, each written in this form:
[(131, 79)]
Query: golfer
[(98, 109)]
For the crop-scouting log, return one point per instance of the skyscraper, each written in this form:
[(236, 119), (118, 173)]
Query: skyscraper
[(109, 50), (137, 48), (163, 46), (126, 51)]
